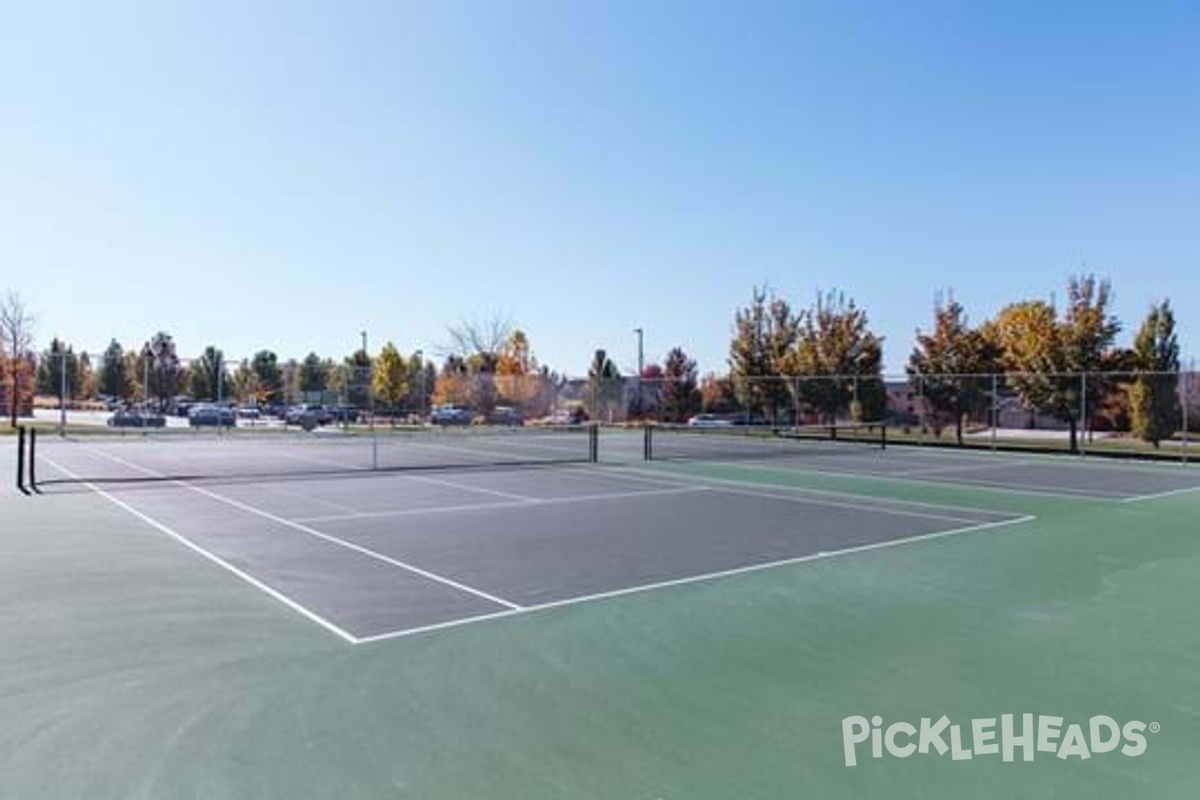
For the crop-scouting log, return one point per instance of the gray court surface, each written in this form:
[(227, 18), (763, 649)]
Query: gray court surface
[(391, 553), (383, 554)]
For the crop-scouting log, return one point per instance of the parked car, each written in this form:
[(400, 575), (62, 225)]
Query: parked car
[(504, 415), (210, 415), (342, 413), (136, 419), (450, 415), (249, 412), (709, 421), (308, 415)]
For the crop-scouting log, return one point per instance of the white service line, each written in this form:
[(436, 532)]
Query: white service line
[(675, 478), (710, 576), (469, 487), (550, 501), (953, 470), (1157, 495), (213, 557), (989, 486), (433, 576)]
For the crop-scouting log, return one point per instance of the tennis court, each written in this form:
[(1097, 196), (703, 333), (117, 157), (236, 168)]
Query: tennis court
[(712, 591)]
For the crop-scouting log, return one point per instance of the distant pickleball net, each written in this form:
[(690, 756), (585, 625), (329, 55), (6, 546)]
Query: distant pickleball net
[(121, 456), (689, 442)]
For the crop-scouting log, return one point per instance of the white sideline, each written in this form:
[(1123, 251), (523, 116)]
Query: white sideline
[(709, 576), (433, 576), (1157, 495), (213, 557)]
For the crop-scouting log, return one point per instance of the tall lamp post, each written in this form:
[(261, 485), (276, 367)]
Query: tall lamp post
[(640, 366), (420, 356)]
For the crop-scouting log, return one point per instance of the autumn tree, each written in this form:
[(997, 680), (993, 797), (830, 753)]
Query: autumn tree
[(1056, 366), (946, 366), (717, 395), (679, 395), (840, 359), (1153, 395), (517, 372), (391, 377), (452, 386), (85, 377), (765, 336), (246, 384)]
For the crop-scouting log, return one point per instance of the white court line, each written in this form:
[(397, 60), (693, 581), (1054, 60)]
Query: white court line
[(417, 512), (858, 502), (1004, 488), (433, 576), (709, 576), (953, 470), (1157, 495), (469, 487), (213, 557), (1089, 461)]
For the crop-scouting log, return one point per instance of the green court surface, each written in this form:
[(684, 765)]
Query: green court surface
[(132, 668)]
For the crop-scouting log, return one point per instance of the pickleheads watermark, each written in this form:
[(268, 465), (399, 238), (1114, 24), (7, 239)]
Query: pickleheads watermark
[(1028, 734)]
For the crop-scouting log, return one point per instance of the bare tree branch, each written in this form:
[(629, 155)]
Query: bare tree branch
[(16, 346)]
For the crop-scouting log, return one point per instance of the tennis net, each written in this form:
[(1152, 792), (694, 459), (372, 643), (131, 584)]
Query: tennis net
[(665, 442), (133, 456)]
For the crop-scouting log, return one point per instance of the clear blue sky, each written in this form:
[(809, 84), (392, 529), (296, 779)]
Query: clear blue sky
[(286, 174)]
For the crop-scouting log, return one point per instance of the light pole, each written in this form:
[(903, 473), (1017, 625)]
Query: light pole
[(146, 377), (420, 356), (640, 366)]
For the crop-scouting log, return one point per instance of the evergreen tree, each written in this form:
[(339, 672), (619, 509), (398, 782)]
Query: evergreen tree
[(114, 381), (265, 365), (1153, 396), (679, 395)]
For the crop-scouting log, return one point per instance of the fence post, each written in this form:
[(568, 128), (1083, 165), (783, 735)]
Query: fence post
[(921, 410), (1083, 415), (1183, 385), (995, 409)]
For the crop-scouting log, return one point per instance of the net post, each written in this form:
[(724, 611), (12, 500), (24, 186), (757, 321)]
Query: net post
[(647, 444), (995, 409), (33, 460), (1185, 397), (883, 436), (21, 460), (593, 443)]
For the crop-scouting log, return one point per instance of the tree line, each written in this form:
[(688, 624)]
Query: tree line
[(785, 365)]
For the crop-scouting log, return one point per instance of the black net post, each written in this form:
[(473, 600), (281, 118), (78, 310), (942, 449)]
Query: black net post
[(33, 459), (647, 443), (21, 461)]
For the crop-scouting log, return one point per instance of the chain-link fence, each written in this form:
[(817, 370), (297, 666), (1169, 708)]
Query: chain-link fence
[(1146, 414)]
